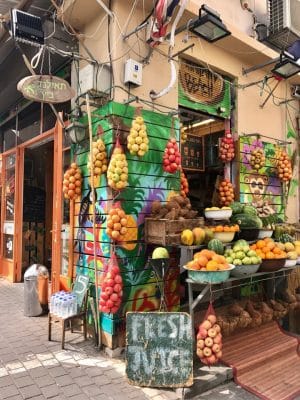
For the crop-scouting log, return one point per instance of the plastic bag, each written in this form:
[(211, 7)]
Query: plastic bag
[(111, 287), (209, 338)]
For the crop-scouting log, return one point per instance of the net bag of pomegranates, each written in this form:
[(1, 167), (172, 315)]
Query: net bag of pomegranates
[(111, 287), (209, 338)]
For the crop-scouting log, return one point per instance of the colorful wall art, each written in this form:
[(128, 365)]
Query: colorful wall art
[(146, 182), (259, 183)]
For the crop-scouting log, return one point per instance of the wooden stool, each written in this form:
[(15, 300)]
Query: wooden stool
[(66, 324)]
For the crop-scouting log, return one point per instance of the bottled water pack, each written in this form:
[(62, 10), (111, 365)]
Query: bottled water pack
[(63, 304)]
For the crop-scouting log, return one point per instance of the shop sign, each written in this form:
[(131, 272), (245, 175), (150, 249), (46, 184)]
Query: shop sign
[(192, 153), (46, 89), (159, 349), (200, 84)]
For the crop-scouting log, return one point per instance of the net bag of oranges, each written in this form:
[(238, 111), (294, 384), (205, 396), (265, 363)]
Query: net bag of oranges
[(117, 224), (72, 182), (209, 338), (111, 287)]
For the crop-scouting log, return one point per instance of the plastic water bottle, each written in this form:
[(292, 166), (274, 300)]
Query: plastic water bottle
[(74, 304), (52, 301)]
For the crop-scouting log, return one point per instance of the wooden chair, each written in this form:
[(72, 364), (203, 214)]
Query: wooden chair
[(80, 288)]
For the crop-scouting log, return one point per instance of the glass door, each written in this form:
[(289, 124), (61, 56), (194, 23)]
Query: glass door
[(8, 265)]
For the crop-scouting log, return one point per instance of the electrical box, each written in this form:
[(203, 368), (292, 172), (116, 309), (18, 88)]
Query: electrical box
[(133, 72), (94, 78)]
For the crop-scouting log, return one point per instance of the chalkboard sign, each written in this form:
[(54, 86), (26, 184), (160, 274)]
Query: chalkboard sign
[(159, 349), (192, 153)]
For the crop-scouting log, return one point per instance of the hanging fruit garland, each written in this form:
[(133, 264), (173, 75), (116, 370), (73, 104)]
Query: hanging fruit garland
[(257, 159), (72, 182), (137, 140), (111, 288), (117, 172), (172, 157), (226, 149), (284, 167), (226, 192), (117, 223), (183, 135), (184, 184), (98, 160)]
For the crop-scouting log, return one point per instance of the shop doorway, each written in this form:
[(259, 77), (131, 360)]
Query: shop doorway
[(200, 136), (37, 205)]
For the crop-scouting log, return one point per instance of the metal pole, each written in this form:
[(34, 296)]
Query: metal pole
[(94, 219), (259, 66), (137, 29), (269, 95)]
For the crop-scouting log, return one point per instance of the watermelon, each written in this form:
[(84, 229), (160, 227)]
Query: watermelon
[(237, 208), (250, 210), (247, 221), (216, 245)]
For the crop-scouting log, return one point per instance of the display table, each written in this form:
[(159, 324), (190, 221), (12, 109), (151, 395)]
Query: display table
[(219, 287)]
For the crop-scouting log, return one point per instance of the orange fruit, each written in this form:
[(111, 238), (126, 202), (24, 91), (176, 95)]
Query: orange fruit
[(265, 249), (276, 250), (260, 244), (207, 253), (219, 259), (223, 266), (269, 255), (219, 228), (202, 261), (212, 265), (253, 247), (227, 229), (270, 245)]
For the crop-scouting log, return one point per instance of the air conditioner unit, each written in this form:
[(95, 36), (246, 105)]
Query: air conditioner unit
[(283, 22)]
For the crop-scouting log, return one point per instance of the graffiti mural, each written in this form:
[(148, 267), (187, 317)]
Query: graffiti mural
[(261, 186), (146, 182)]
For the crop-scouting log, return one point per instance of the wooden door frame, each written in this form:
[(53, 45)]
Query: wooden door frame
[(57, 207), (19, 211)]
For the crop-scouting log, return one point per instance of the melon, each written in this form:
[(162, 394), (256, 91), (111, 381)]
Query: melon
[(216, 245)]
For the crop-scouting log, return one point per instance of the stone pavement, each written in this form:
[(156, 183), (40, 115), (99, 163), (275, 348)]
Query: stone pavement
[(33, 368)]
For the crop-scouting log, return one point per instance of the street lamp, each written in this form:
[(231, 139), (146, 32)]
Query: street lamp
[(76, 130), (209, 25)]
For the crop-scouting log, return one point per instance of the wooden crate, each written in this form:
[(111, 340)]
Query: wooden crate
[(166, 232)]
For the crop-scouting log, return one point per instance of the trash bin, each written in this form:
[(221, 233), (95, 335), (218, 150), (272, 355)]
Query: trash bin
[(35, 290)]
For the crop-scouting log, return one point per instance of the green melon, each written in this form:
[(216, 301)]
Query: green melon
[(250, 210), (216, 245), (237, 208), (247, 221)]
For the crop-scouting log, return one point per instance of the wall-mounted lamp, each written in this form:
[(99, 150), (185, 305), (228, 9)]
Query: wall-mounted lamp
[(209, 25), (76, 130), (287, 66)]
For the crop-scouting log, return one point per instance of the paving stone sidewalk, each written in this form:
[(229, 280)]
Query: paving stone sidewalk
[(33, 368)]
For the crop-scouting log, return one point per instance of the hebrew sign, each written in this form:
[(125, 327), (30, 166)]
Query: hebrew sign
[(46, 89)]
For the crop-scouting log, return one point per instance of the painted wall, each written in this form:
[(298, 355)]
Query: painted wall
[(228, 56), (146, 182)]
